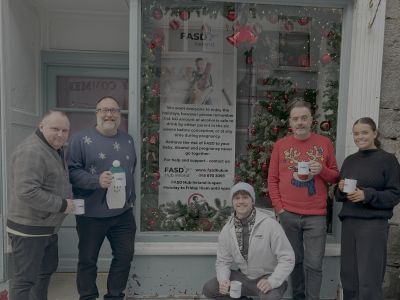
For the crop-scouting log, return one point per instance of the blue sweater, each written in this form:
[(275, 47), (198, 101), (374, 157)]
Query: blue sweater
[(89, 154)]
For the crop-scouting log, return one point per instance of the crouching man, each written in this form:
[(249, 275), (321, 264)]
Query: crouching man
[(255, 242)]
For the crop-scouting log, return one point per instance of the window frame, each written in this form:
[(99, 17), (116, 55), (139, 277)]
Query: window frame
[(356, 37)]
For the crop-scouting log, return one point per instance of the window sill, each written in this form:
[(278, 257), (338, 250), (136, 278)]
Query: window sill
[(200, 248)]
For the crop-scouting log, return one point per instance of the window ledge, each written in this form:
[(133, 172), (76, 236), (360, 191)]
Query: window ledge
[(200, 248)]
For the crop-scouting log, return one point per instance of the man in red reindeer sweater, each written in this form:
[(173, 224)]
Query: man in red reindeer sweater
[(301, 166)]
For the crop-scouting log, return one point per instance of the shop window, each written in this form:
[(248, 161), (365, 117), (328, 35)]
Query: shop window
[(217, 78)]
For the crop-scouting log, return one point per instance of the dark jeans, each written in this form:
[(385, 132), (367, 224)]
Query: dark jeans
[(120, 232), (249, 288), (34, 260), (363, 258), (307, 235)]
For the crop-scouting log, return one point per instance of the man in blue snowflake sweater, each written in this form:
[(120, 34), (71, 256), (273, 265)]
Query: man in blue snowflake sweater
[(90, 156)]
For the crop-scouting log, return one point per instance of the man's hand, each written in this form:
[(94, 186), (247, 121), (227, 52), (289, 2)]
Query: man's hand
[(105, 179), (315, 167), (281, 211), (70, 206), (264, 286), (224, 287)]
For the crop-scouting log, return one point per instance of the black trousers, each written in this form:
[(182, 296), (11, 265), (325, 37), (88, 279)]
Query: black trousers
[(363, 258), (34, 260), (120, 232)]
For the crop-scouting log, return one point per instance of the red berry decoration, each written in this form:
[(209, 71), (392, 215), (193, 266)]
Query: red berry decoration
[(303, 21), (184, 15), (269, 95), (237, 178), (155, 90), (325, 125), (154, 185), (152, 45), (237, 164), (253, 131), (275, 129), (156, 175), (326, 58), (285, 98), (157, 14), (174, 25), (269, 108), (155, 118), (231, 15), (261, 149), (249, 146), (264, 167)]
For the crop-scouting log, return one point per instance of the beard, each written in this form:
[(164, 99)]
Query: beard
[(108, 125)]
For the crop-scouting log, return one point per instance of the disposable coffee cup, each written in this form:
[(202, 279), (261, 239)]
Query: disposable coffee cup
[(350, 185), (79, 206), (303, 170), (236, 289)]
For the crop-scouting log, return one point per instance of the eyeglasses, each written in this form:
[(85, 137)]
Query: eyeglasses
[(104, 111)]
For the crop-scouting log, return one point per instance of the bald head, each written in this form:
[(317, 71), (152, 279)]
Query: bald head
[(55, 127)]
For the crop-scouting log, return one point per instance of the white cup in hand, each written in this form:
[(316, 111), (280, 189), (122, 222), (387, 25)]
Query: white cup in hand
[(349, 186), (79, 206), (236, 289)]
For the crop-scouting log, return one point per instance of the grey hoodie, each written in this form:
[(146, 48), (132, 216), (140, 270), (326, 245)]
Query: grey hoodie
[(270, 252)]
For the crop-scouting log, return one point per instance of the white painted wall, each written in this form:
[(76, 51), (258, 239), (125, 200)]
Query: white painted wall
[(92, 31)]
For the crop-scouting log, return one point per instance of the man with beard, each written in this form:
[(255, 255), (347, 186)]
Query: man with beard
[(301, 166), (90, 157)]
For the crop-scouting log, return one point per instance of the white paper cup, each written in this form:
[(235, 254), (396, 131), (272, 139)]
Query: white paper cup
[(303, 170), (350, 185), (79, 206), (236, 289)]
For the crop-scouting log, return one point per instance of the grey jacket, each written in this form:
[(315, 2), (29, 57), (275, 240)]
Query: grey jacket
[(270, 252), (39, 188)]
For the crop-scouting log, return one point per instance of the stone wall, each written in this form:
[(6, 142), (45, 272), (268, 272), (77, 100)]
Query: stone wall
[(389, 127)]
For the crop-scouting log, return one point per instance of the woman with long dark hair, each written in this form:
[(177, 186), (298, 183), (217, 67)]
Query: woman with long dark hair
[(365, 213)]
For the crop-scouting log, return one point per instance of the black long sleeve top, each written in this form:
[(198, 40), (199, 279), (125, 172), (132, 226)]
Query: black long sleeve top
[(378, 174)]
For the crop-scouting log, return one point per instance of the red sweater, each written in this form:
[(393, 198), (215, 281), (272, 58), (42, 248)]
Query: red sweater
[(305, 196)]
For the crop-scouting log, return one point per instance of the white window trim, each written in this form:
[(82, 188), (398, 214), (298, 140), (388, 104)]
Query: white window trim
[(359, 96), (200, 248)]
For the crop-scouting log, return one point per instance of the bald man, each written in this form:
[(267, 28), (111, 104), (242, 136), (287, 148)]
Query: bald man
[(40, 198)]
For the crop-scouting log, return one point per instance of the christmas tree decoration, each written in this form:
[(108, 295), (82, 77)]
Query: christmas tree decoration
[(326, 58), (184, 15), (155, 90), (231, 15), (253, 131), (242, 34), (157, 13), (155, 118), (249, 56), (156, 175), (174, 25), (325, 125), (303, 21)]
